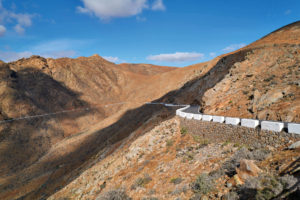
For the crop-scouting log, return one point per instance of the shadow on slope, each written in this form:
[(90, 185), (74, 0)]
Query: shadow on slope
[(31, 92), (193, 91), (75, 162)]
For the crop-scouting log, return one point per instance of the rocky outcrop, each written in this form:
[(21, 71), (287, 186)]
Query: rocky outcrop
[(295, 145), (40, 156), (246, 170)]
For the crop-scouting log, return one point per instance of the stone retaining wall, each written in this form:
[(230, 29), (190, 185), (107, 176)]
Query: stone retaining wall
[(292, 128), (220, 132)]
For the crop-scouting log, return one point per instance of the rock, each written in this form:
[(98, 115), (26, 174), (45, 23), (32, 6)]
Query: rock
[(204, 198), (230, 196), (246, 170), (229, 185), (237, 180), (269, 98), (295, 145), (234, 181)]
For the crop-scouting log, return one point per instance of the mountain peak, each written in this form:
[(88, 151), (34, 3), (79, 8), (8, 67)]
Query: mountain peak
[(96, 55)]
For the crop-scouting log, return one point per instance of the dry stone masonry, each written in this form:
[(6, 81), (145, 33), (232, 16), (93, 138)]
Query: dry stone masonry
[(293, 128)]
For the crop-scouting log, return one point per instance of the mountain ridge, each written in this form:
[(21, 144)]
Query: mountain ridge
[(75, 141)]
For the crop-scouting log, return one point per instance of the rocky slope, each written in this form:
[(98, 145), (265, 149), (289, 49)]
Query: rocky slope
[(32, 149), (145, 69), (259, 81), (40, 156), (170, 162)]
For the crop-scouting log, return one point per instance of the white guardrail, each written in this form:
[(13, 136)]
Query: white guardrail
[(249, 123)]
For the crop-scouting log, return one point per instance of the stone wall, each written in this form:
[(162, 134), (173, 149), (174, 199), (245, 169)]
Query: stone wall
[(219, 132)]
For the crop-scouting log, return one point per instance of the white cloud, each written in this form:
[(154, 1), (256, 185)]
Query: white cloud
[(107, 9), (158, 5), (212, 54), (233, 47), (177, 57), (111, 59), (50, 49), (12, 56), (83, 10), (20, 20), (2, 30), (19, 29)]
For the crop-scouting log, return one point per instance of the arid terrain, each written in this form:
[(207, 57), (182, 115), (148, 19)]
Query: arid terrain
[(144, 150)]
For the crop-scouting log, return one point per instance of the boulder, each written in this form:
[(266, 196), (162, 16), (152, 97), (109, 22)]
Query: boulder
[(246, 170), (295, 145)]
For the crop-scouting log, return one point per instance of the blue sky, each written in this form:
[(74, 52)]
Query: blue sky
[(163, 32)]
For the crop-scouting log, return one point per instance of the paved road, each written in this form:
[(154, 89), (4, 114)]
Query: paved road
[(192, 109)]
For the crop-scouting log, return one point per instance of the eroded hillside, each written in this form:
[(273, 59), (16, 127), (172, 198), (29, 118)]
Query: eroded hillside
[(75, 151), (171, 161), (31, 150), (259, 81)]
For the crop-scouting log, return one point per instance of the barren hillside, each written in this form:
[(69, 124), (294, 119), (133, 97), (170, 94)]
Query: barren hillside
[(31, 149), (145, 69), (40, 156), (259, 81)]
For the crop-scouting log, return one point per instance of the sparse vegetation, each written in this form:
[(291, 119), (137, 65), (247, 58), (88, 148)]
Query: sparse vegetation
[(117, 194), (265, 186), (225, 143), (260, 154), (103, 185), (287, 181), (236, 145), (176, 181), (178, 190), (133, 138), (178, 148), (230, 165), (245, 92), (149, 198), (169, 143), (231, 196), (141, 182), (202, 142), (183, 131), (269, 78), (203, 184), (189, 156)]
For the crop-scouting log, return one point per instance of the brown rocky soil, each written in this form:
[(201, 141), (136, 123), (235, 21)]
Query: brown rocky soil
[(165, 162), (75, 151), (259, 81)]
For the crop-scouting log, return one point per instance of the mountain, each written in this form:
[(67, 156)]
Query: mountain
[(61, 152), (259, 81), (30, 149), (145, 69)]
